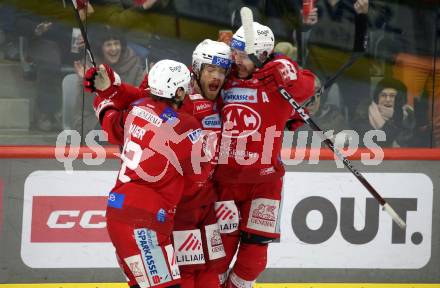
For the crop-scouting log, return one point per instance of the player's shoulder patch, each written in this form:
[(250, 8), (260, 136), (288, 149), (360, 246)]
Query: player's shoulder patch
[(169, 115), (194, 136), (196, 97)]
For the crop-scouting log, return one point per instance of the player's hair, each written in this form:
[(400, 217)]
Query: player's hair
[(161, 99), (164, 100)]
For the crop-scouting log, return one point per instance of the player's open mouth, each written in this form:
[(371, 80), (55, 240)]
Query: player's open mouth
[(213, 87), (241, 69)]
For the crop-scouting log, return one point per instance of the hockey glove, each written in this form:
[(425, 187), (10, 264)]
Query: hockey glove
[(279, 72), (102, 80), (81, 4), (105, 83)]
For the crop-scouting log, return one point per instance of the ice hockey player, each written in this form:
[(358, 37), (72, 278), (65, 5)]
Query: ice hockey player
[(249, 171), (195, 219), (195, 214), (157, 142)]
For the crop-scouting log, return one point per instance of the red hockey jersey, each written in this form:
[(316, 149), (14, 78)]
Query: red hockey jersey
[(157, 151), (205, 112), (254, 115)]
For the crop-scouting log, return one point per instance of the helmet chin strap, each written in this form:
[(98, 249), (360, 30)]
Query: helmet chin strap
[(175, 100), (255, 59)]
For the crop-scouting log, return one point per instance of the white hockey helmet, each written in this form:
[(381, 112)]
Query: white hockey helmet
[(264, 40), (211, 52), (166, 76)]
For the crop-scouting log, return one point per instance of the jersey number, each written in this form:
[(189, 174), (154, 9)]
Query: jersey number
[(135, 151)]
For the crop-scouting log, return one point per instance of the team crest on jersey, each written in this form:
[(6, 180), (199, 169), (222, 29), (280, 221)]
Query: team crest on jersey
[(189, 247), (212, 121), (243, 121), (240, 95), (263, 215)]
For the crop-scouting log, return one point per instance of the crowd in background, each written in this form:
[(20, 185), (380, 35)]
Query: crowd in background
[(394, 86)]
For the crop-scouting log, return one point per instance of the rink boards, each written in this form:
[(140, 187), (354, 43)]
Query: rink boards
[(258, 285), (333, 232)]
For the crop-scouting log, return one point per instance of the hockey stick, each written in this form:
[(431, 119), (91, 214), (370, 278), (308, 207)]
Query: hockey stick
[(247, 22), (83, 33), (246, 13), (89, 52)]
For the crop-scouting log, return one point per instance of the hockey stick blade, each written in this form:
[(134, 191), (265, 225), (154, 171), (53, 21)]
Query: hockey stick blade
[(394, 215), (83, 33), (247, 20), (347, 163)]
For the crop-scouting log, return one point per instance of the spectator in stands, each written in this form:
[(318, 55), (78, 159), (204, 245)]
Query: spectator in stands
[(287, 19), (330, 44), (8, 41), (133, 15), (387, 112), (415, 65), (326, 116), (225, 36), (42, 41), (44, 46), (109, 47)]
